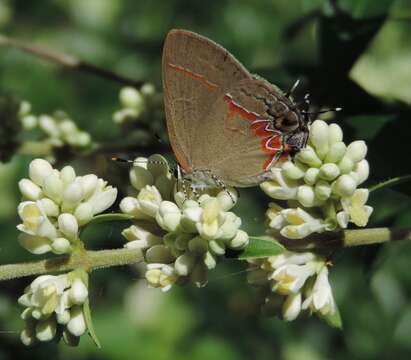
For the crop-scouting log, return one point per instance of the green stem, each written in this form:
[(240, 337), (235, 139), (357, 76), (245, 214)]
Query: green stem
[(90, 260), (391, 182), (93, 260)]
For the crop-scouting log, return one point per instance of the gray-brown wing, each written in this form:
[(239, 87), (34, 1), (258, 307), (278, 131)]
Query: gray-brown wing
[(196, 71), (238, 141)]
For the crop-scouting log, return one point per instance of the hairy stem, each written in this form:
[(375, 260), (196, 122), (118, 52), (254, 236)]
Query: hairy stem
[(67, 61), (90, 260), (93, 260)]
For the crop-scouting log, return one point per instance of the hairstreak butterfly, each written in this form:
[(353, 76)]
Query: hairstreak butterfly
[(225, 125)]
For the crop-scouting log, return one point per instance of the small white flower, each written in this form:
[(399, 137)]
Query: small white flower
[(184, 264), (320, 297), (49, 126), (78, 292), (354, 209), (290, 278), (279, 187), (61, 246), (35, 244), (140, 238), (357, 151), (139, 175), (161, 276), (103, 197), (168, 216), (208, 227), (35, 220), (239, 241), (300, 224), (83, 213), (227, 198), (131, 97), (149, 199), (46, 329), (319, 137), (72, 195), (345, 186)]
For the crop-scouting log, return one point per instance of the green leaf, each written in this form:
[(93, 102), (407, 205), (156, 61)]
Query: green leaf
[(89, 323), (110, 217), (334, 320), (261, 247), (391, 182)]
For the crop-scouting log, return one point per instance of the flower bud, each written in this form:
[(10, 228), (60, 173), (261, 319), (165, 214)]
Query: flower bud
[(230, 226), (209, 260), (217, 247), (77, 324), (291, 171), (329, 171), (130, 97), (72, 195), (240, 240), (157, 165), (46, 329), (83, 213), (311, 176), (345, 186), (319, 137), (335, 153), (49, 207), (67, 175), (67, 127), (362, 171), (357, 150), (61, 246), (335, 134), (305, 195), (30, 190), (78, 292), (89, 184), (64, 317), (184, 264), (49, 125), (149, 198), (322, 190), (199, 275), (103, 199), (83, 139), (68, 225), (308, 156), (148, 89), (346, 165), (140, 176), (198, 245), (29, 122), (27, 336), (53, 187), (159, 254), (227, 198), (292, 307), (39, 169)]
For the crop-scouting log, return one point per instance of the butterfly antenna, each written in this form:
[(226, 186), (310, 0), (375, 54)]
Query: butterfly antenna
[(156, 162), (289, 92), (321, 111)]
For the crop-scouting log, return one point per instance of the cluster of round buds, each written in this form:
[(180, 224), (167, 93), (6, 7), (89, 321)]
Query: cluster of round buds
[(59, 129), (56, 204), (293, 282), (320, 185), (181, 238), (133, 103), (54, 309)]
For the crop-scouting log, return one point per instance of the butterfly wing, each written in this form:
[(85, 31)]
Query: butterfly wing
[(242, 141), (196, 71)]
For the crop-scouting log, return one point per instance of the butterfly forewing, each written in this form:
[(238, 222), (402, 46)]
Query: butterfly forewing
[(196, 71)]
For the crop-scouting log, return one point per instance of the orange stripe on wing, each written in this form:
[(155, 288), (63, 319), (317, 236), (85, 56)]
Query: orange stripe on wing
[(210, 86)]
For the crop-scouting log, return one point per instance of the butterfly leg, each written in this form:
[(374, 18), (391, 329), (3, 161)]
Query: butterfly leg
[(220, 184)]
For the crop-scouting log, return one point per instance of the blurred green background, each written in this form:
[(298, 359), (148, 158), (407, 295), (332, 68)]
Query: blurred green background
[(350, 53)]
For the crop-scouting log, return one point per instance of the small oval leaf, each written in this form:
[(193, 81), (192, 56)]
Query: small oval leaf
[(261, 247), (89, 323)]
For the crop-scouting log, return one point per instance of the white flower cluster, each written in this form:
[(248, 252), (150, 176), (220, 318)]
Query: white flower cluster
[(133, 103), (56, 204), (292, 282), (54, 309), (59, 129), (181, 239), (321, 185)]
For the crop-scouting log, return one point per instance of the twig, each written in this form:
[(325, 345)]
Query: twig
[(67, 61)]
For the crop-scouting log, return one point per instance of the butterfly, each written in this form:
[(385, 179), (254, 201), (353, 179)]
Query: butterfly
[(225, 125)]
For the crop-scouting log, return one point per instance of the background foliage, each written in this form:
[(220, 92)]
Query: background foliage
[(354, 54)]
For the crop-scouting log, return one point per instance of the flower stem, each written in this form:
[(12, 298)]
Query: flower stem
[(391, 182), (347, 238), (67, 61), (91, 260)]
